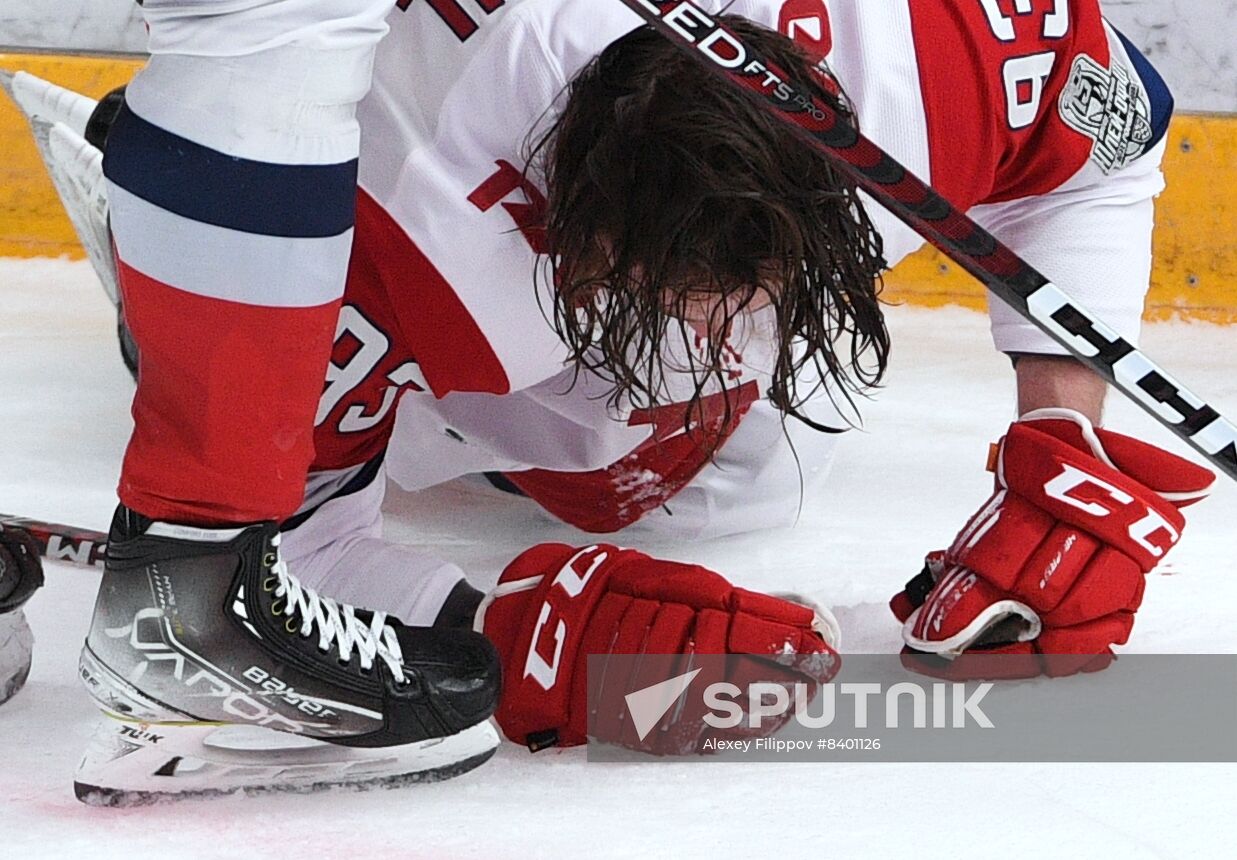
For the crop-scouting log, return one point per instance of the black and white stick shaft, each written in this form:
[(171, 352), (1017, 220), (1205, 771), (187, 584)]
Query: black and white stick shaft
[(57, 542), (970, 246)]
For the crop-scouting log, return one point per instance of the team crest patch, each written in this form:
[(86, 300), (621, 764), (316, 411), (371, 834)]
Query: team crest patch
[(1110, 107)]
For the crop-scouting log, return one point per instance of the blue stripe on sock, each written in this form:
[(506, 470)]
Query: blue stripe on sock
[(196, 182)]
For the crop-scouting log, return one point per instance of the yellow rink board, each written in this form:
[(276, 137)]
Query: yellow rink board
[(32, 222), (1195, 273), (1195, 245)]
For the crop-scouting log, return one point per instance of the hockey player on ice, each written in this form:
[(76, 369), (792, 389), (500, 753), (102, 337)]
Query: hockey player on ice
[(704, 276)]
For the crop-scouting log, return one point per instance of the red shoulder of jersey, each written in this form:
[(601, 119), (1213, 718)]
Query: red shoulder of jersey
[(807, 22), (401, 327), (992, 74)]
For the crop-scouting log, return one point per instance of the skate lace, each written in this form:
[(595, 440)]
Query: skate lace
[(337, 624)]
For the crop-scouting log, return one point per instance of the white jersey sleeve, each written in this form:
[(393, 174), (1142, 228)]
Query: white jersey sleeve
[(1038, 149)]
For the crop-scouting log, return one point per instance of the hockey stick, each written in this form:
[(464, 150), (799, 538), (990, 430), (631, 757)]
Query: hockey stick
[(63, 543), (966, 243)]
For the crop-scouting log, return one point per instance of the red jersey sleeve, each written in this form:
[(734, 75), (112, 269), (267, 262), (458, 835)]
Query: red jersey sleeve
[(1019, 95)]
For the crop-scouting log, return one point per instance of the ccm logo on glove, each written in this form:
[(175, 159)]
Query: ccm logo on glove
[(1066, 486), (1051, 569), (556, 605), (572, 583)]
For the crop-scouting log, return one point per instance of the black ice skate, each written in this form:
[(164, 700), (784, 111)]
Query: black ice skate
[(202, 643), (21, 574)]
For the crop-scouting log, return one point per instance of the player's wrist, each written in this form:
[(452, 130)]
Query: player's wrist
[(1059, 381)]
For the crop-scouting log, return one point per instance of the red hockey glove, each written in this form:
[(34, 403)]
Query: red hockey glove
[(1054, 562), (555, 605)]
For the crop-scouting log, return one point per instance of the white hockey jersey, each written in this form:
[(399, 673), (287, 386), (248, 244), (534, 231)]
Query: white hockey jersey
[(1033, 114)]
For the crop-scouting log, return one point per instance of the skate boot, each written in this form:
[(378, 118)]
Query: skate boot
[(218, 671), (21, 573)]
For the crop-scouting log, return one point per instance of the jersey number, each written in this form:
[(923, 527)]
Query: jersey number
[(1056, 22), (455, 16), (365, 345), (1026, 76)]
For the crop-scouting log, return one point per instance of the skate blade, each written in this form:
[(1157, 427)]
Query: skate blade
[(134, 764)]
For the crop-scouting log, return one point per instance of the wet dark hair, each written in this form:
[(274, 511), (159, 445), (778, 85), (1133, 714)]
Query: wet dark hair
[(664, 183)]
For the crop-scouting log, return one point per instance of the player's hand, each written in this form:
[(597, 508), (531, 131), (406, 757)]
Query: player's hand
[(21, 570), (1051, 568), (556, 604)]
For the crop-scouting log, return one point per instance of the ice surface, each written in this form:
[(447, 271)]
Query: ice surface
[(901, 487)]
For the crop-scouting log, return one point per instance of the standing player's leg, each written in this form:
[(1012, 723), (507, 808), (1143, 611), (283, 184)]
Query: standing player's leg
[(231, 178), (231, 183)]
